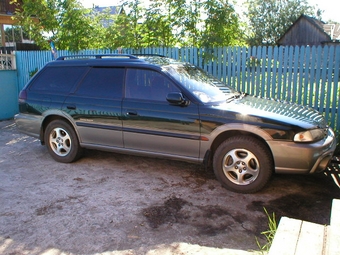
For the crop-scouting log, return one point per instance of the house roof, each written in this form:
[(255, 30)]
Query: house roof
[(114, 10), (331, 30)]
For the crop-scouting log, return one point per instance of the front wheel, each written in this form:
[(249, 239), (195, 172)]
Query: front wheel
[(243, 164), (62, 142)]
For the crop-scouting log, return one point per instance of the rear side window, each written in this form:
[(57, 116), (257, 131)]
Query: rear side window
[(57, 79), (102, 82)]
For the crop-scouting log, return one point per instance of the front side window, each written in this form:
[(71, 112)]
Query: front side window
[(148, 85), (102, 82)]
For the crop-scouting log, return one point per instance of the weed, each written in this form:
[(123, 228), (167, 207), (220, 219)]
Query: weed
[(269, 234)]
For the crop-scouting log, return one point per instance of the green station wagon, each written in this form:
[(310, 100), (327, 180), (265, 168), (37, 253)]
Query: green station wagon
[(160, 107)]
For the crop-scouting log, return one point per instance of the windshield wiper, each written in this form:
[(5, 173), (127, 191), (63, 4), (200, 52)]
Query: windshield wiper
[(243, 94), (236, 96)]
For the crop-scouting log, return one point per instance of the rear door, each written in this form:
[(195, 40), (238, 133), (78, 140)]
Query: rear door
[(152, 124), (96, 107)]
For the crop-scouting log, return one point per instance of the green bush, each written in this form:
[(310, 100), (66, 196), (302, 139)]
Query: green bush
[(33, 72)]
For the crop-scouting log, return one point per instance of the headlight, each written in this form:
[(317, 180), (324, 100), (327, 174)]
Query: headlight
[(309, 136)]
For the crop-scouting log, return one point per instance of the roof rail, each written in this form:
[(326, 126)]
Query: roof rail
[(98, 56), (146, 55)]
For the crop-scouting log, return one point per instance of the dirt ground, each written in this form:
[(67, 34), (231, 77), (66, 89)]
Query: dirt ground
[(108, 203)]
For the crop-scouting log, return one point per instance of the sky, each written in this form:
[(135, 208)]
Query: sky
[(331, 7)]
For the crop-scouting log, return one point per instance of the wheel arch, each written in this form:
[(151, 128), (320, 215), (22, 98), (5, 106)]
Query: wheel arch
[(51, 117), (230, 133)]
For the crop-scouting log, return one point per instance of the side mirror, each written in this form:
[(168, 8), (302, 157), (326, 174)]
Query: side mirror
[(176, 98)]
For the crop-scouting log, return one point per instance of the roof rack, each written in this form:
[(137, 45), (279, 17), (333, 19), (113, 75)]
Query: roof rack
[(151, 55), (98, 56)]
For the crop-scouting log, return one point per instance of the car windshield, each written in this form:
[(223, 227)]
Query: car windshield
[(205, 87)]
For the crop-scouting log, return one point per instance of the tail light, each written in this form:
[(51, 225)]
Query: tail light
[(22, 100)]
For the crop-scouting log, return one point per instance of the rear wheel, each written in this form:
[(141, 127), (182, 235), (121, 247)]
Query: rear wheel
[(243, 164), (62, 142)]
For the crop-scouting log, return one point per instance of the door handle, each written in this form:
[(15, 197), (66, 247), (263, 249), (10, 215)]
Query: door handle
[(71, 107), (131, 113)]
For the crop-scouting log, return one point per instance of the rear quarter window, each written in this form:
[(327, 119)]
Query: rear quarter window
[(57, 79)]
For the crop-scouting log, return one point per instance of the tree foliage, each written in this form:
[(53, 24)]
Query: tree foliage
[(164, 23), (270, 19), (221, 27), (64, 21), (192, 23)]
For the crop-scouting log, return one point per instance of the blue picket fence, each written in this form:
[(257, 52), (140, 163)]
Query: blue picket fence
[(303, 75)]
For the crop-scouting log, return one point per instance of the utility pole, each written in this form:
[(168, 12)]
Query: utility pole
[(3, 36)]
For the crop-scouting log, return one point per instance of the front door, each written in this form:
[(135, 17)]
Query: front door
[(151, 124)]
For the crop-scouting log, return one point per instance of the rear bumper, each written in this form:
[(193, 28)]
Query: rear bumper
[(28, 124), (304, 158)]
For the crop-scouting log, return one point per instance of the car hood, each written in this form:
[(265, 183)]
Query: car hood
[(277, 111)]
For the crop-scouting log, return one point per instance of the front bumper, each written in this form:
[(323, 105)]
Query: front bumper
[(304, 158)]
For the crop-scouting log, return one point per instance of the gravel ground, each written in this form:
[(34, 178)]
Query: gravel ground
[(117, 204)]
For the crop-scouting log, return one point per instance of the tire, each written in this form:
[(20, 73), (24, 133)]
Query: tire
[(62, 142), (243, 164)]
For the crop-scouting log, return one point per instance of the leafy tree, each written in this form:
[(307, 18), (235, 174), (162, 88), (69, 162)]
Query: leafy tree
[(270, 19), (104, 36), (65, 22), (174, 11), (157, 27), (183, 23), (166, 23), (135, 17), (75, 31), (192, 23), (120, 34), (163, 25), (201, 23), (177, 14), (221, 27)]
